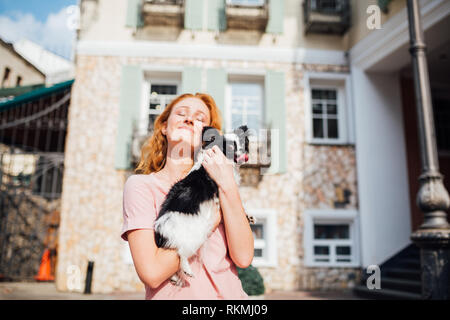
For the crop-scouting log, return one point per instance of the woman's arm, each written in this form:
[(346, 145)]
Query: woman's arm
[(237, 229), (153, 265)]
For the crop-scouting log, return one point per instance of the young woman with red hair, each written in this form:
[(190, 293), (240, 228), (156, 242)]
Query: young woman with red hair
[(166, 158)]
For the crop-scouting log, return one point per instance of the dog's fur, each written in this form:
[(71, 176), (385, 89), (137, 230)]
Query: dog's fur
[(186, 217)]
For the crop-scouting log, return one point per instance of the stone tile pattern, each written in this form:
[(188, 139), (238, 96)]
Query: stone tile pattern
[(91, 216)]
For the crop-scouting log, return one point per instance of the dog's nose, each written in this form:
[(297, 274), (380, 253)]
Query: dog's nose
[(242, 158)]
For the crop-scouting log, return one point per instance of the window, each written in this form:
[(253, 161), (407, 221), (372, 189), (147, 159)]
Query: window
[(264, 233), (331, 238), (325, 248), (329, 6), (161, 94), (18, 81), (5, 76), (325, 113), (329, 116), (159, 89), (441, 109), (246, 105)]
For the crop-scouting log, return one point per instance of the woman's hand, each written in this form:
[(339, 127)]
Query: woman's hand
[(219, 168)]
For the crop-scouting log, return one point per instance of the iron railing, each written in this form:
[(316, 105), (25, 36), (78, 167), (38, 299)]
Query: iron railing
[(326, 16)]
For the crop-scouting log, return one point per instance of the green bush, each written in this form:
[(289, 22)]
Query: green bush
[(252, 282)]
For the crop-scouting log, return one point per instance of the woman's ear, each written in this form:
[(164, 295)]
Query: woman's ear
[(164, 129)]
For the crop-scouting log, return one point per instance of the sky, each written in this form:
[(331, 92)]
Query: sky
[(49, 23)]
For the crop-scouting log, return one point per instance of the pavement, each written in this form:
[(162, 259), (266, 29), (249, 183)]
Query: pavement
[(47, 291)]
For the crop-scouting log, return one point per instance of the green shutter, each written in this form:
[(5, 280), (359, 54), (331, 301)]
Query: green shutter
[(134, 14), (191, 80), (216, 84), (276, 16), (276, 119), (216, 15), (193, 14), (130, 104)]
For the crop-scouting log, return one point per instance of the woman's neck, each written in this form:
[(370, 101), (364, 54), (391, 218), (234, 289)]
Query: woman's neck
[(177, 165)]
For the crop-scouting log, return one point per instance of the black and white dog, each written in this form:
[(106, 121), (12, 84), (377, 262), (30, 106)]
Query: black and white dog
[(186, 217)]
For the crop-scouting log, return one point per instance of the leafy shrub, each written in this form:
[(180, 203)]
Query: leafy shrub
[(252, 282)]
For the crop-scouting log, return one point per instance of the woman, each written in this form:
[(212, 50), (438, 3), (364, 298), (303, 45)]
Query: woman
[(167, 158)]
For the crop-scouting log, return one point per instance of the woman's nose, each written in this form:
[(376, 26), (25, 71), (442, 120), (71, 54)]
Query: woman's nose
[(188, 119)]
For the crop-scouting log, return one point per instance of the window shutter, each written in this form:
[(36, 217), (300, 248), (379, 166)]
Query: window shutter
[(276, 16), (216, 84), (134, 14), (276, 119), (216, 15), (191, 80), (130, 104), (193, 14)]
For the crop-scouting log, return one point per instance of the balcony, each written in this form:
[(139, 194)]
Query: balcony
[(247, 14), (167, 13), (326, 16), (252, 171)]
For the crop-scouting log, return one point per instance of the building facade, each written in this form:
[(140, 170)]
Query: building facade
[(15, 69), (324, 210)]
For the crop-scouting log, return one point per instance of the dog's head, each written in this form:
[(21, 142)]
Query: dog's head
[(234, 146)]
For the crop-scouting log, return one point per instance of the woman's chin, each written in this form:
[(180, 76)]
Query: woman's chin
[(184, 140)]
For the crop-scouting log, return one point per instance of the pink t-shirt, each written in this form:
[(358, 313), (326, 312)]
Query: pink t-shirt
[(215, 274)]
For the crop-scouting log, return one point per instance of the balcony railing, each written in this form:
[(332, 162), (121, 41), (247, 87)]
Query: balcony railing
[(259, 160), (326, 16), (168, 13), (247, 14)]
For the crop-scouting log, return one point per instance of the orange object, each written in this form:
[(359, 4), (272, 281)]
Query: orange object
[(44, 273)]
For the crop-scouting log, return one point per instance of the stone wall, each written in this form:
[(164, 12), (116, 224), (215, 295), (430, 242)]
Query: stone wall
[(91, 217)]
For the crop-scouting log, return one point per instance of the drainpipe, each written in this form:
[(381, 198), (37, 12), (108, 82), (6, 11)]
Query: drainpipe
[(433, 236)]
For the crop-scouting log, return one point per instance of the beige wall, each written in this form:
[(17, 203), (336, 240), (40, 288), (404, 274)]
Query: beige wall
[(359, 28), (18, 67), (91, 214), (105, 20), (92, 198)]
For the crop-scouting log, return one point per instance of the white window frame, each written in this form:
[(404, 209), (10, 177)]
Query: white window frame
[(331, 216), (145, 106), (269, 243), (342, 84), (254, 77)]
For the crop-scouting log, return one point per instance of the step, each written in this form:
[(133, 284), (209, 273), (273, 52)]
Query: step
[(403, 273), (385, 294), (411, 256), (410, 263), (401, 284)]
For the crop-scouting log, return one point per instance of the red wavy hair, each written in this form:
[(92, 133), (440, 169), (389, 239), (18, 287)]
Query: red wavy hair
[(154, 150)]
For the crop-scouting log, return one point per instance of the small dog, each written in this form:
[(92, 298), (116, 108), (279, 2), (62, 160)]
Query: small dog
[(186, 217)]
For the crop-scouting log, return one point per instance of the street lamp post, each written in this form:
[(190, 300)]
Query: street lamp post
[(433, 236)]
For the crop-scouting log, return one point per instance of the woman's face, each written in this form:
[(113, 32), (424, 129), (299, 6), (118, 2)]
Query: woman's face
[(186, 121)]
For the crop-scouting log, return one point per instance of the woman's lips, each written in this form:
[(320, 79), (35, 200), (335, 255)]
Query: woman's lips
[(188, 128)]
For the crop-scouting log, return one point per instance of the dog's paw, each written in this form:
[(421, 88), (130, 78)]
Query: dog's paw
[(176, 280)]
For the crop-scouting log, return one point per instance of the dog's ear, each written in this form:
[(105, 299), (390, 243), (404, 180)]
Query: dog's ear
[(242, 133), (209, 135), (241, 130)]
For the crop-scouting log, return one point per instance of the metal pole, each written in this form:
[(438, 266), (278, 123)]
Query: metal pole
[(433, 236), (88, 282)]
